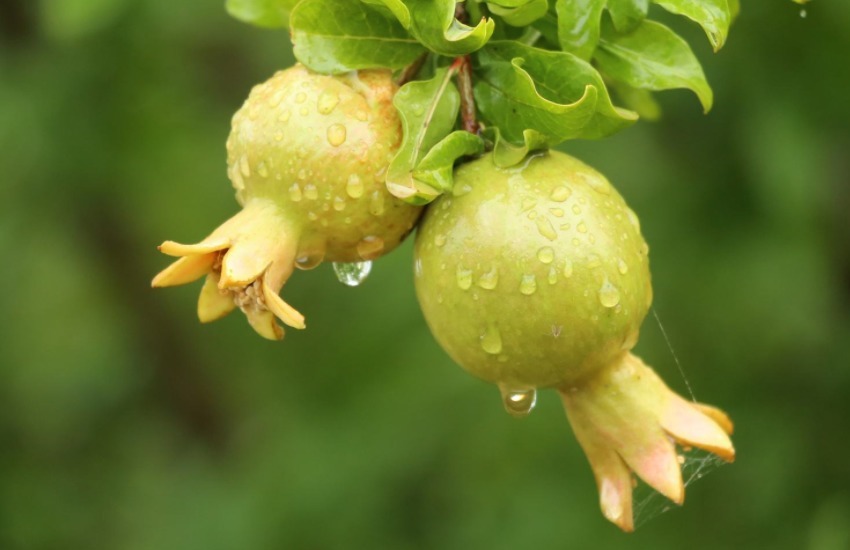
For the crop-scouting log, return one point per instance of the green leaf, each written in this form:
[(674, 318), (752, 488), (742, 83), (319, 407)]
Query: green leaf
[(506, 154), (433, 23), (262, 13), (395, 7), (652, 57), (578, 25), (627, 14), (640, 101), (714, 16), (355, 37), (428, 111), (437, 166), (556, 94), (519, 13)]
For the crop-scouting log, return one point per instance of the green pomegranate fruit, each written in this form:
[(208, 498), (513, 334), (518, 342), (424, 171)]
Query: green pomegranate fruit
[(537, 276), (307, 156)]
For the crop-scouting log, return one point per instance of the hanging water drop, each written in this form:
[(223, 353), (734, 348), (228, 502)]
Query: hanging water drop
[(491, 340), (609, 296), (354, 187), (518, 402), (528, 285), (464, 277), (352, 274), (489, 279), (295, 192), (370, 247)]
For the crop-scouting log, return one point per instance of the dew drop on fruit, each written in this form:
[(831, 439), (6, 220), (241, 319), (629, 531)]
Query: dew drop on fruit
[(546, 255), (553, 275), (464, 277), (327, 102), (263, 170), (339, 204), (568, 268), (354, 187), (560, 193), (244, 166), (440, 240), (545, 228), (311, 192), (609, 296), (336, 134), (491, 340), (376, 204), (622, 267), (301, 97), (598, 184), (528, 285), (581, 227), (489, 279), (309, 260), (284, 115), (557, 212), (352, 274), (295, 193), (528, 203), (370, 247), (518, 402)]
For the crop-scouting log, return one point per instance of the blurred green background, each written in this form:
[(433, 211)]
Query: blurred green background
[(127, 425)]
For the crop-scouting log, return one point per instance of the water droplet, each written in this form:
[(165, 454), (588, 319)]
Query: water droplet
[(464, 277), (336, 134), (532, 215), (565, 227), (609, 296), (284, 115), (528, 285), (622, 267), (568, 269), (489, 279), (581, 227), (275, 99), (278, 136), (491, 340), (327, 102), (440, 240), (461, 190), (576, 209), (352, 274), (553, 275), (244, 166), (370, 247), (545, 228), (309, 260), (593, 261), (803, 14), (354, 187), (302, 174), (560, 193), (303, 111), (518, 402), (301, 97), (376, 204), (598, 184), (528, 203), (362, 116), (312, 216), (339, 204), (295, 192), (311, 192), (633, 219), (263, 170), (557, 212), (546, 254)]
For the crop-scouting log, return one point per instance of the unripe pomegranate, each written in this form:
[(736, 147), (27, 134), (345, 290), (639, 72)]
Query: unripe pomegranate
[(307, 156), (537, 276)]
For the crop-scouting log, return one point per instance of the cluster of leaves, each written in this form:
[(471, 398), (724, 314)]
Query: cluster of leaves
[(542, 71)]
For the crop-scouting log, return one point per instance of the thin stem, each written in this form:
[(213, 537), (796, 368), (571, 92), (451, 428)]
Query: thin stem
[(410, 72), (464, 80)]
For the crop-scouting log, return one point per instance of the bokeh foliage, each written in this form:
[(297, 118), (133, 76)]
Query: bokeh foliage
[(125, 424)]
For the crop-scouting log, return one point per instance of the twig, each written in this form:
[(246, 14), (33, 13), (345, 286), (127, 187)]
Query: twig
[(410, 72), (463, 65)]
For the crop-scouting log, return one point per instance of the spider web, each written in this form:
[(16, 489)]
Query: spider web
[(648, 504)]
